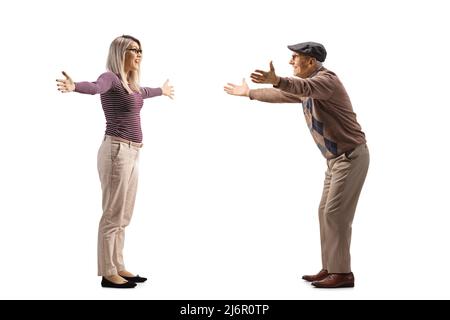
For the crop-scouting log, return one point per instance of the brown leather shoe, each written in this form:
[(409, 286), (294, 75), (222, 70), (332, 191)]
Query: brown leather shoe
[(317, 277), (336, 280)]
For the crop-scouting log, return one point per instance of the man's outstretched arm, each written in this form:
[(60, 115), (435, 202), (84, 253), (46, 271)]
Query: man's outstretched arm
[(265, 94)]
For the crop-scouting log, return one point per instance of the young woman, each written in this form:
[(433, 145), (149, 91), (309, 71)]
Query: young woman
[(117, 161)]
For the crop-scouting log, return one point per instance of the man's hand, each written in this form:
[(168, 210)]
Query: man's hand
[(259, 76), (65, 85), (237, 90)]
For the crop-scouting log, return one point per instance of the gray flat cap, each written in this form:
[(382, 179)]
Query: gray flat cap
[(312, 49)]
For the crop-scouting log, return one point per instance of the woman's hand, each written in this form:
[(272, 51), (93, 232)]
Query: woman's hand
[(237, 90), (167, 90), (65, 85)]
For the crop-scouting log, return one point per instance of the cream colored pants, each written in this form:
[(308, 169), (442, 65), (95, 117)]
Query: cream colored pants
[(117, 164), (344, 180)]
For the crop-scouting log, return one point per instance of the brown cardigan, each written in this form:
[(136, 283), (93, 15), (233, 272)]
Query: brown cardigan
[(326, 106)]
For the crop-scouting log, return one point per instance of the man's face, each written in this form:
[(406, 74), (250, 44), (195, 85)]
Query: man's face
[(303, 65)]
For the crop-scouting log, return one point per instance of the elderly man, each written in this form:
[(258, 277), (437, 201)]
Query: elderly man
[(335, 130)]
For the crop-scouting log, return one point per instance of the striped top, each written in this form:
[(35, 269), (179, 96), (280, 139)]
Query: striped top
[(122, 109)]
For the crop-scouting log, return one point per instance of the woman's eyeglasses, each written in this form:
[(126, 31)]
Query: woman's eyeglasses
[(136, 51)]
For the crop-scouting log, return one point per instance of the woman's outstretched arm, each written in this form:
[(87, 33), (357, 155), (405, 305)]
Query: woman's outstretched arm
[(103, 84)]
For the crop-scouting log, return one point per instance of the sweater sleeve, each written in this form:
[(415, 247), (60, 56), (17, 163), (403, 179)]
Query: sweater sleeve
[(319, 87), (273, 96), (150, 92), (104, 83)]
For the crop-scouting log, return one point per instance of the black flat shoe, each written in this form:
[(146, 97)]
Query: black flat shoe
[(135, 279), (108, 284)]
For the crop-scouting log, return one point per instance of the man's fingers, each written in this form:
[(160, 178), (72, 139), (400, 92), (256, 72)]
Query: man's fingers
[(229, 91), (257, 75), (258, 78), (261, 72)]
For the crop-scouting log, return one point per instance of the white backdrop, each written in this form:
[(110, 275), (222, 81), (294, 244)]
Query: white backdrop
[(229, 188)]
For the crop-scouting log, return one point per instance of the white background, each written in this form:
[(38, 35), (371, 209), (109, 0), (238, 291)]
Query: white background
[(229, 188)]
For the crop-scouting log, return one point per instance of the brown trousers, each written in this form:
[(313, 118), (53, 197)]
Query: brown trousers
[(344, 180), (117, 164)]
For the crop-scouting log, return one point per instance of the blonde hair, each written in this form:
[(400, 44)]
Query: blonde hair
[(116, 61)]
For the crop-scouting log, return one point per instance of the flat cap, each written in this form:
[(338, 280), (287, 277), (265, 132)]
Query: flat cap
[(312, 49)]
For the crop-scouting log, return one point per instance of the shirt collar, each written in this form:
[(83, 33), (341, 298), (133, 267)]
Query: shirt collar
[(316, 72)]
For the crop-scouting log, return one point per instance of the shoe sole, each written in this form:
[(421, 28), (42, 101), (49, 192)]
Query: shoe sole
[(118, 286), (318, 279), (347, 285)]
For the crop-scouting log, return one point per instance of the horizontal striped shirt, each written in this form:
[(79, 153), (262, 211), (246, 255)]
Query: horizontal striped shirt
[(122, 109)]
